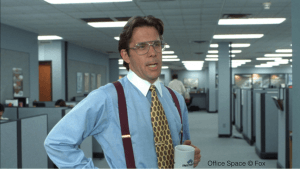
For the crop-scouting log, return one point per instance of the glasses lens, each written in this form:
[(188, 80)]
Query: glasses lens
[(143, 47)]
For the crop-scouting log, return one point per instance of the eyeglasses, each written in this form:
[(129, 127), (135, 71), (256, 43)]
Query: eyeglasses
[(143, 47)]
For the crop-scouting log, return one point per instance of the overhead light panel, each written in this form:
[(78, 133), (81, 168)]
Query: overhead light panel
[(83, 1), (234, 45), (114, 24), (49, 37), (251, 21), (193, 65), (284, 50), (267, 58), (167, 46), (170, 60), (168, 52), (165, 67), (122, 67), (211, 59), (213, 51), (278, 55), (238, 36), (117, 38), (169, 56), (212, 56), (236, 51)]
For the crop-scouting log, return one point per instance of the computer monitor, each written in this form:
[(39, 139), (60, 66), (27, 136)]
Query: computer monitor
[(23, 101)]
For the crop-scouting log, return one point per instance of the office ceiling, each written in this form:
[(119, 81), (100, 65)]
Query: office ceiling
[(185, 21)]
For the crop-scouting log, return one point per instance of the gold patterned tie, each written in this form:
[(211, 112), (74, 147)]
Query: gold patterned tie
[(162, 135)]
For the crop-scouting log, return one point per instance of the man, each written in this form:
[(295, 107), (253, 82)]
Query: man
[(177, 85), (1, 110), (98, 113)]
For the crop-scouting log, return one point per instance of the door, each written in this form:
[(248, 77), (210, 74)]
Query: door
[(45, 80)]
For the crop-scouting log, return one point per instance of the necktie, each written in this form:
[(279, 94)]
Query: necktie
[(162, 135)]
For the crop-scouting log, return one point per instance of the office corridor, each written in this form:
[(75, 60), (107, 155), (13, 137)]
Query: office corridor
[(217, 151)]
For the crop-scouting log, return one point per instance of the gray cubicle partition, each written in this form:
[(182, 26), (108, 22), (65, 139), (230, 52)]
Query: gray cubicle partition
[(238, 114), (32, 137), (245, 112), (233, 98), (254, 110), (22, 143), (8, 144), (248, 119), (283, 129), (266, 144), (11, 113), (50, 104), (54, 115), (79, 98)]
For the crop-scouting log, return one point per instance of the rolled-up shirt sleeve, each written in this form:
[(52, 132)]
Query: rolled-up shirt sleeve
[(89, 117)]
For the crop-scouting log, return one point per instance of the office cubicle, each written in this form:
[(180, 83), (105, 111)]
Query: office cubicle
[(238, 114), (22, 143), (54, 115), (284, 129), (244, 112), (11, 113), (247, 114), (266, 143)]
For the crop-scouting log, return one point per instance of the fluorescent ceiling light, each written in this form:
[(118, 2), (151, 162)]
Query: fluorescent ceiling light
[(122, 67), (236, 51), (212, 56), (234, 45), (284, 50), (211, 59), (49, 37), (267, 58), (168, 52), (241, 60), (291, 60), (214, 45), (263, 65), (167, 46), (117, 38), (273, 63), (193, 65), (251, 21), (82, 1), (193, 68), (165, 67), (232, 56), (213, 51), (169, 56), (238, 36), (170, 60), (107, 24), (291, 44), (240, 45), (278, 55)]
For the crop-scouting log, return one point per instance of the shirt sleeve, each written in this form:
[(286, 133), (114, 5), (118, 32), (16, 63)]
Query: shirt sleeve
[(86, 118)]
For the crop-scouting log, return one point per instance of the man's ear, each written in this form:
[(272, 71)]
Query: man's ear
[(125, 56)]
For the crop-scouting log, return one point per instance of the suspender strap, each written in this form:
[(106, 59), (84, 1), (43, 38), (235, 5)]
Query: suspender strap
[(129, 157), (178, 108)]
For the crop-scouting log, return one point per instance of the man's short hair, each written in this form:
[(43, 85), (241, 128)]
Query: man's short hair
[(134, 22), (174, 76), (1, 107), (60, 103)]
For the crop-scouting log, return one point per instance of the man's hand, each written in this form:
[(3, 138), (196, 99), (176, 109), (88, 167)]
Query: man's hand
[(197, 152)]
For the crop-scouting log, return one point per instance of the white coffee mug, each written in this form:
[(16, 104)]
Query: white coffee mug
[(184, 156)]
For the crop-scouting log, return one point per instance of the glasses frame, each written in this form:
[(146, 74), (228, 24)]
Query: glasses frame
[(149, 43)]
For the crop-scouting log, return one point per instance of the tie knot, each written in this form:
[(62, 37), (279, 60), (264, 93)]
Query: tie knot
[(152, 88)]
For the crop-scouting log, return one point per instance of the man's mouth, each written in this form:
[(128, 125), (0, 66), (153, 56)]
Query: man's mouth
[(152, 65)]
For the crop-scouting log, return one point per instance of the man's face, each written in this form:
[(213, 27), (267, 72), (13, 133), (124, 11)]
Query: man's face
[(147, 66)]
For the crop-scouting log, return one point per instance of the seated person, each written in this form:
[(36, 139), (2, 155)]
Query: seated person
[(1, 112), (60, 103)]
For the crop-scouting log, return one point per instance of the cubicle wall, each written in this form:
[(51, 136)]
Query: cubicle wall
[(238, 114), (54, 115), (283, 130), (8, 144), (244, 112), (266, 143), (254, 110), (22, 143), (11, 113), (233, 98)]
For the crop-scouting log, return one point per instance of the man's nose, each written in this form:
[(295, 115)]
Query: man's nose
[(151, 51)]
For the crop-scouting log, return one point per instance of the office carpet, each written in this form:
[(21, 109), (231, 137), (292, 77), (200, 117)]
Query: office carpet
[(217, 152)]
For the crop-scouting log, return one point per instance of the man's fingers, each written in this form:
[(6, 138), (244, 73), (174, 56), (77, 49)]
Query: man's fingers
[(187, 142)]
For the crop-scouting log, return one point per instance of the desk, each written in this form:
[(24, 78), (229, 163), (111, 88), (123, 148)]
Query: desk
[(199, 99)]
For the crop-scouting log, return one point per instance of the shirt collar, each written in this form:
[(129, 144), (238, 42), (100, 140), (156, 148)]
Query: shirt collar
[(142, 84)]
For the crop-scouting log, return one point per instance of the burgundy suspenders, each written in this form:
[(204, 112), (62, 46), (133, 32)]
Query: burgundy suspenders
[(129, 157), (124, 126)]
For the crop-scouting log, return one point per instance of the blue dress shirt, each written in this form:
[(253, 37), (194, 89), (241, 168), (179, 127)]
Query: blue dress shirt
[(98, 115)]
